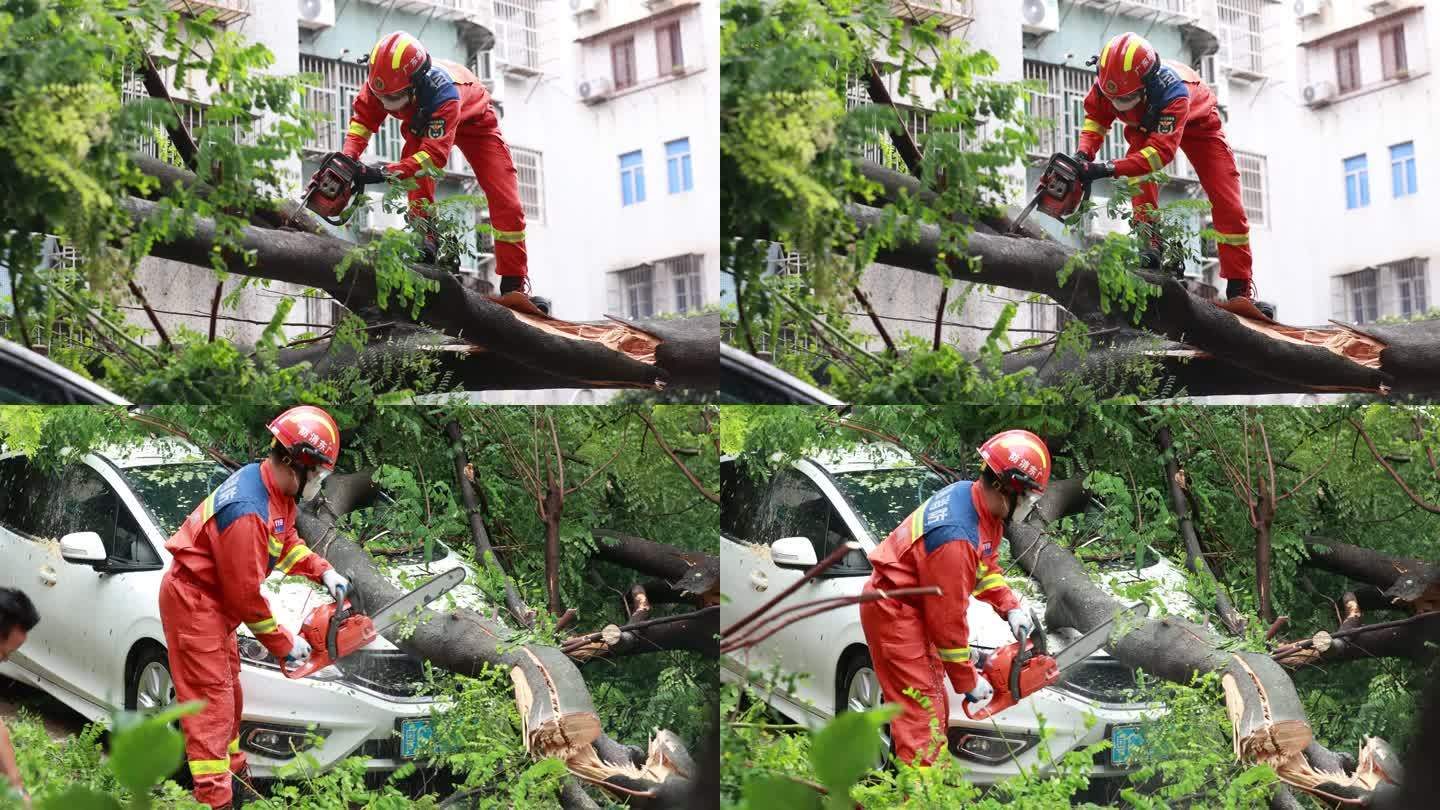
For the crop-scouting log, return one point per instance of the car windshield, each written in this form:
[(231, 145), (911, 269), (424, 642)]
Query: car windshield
[(884, 497), (171, 492)]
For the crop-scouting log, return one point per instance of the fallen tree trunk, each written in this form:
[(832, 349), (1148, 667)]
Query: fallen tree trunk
[(693, 573), (1398, 359), (557, 715), (1177, 650), (549, 346), (1404, 581)]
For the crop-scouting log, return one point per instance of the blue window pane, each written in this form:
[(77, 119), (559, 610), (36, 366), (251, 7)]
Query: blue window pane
[(1402, 150), (690, 181), (680, 147), (1354, 164), (630, 159), (1397, 178), (1410, 176), (1364, 189), (1351, 193), (673, 175), (639, 185), (627, 191)]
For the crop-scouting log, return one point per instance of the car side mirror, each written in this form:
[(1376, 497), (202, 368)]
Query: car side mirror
[(793, 552), (83, 548)]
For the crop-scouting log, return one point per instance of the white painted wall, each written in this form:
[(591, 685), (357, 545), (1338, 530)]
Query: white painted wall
[(1311, 236)]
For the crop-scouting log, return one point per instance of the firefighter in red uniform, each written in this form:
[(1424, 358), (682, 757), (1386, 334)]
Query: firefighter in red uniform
[(951, 541), (441, 104), (222, 552), (1165, 106)]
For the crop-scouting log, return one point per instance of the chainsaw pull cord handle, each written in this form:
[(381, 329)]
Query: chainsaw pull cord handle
[(1036, 647)]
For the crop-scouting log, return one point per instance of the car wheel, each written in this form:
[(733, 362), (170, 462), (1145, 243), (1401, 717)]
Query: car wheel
[(150, 686), (859, 691)]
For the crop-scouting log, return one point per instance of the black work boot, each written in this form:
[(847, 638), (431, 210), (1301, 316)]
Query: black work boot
[(521, 284), (1245, 288)]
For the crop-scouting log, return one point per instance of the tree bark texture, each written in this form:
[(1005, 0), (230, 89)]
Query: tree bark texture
[(1194, 555)]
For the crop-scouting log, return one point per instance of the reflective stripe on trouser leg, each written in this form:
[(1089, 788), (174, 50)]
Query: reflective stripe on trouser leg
[(495, 172), (1214, 162), (202, 667), (910, 664)]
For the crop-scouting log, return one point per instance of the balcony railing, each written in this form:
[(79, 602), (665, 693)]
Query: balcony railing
[(226, 11), (473, 10), (1169, 12), (948, 14)]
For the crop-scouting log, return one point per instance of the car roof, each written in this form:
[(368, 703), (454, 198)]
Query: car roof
[(865, 458), (746, 378), (153, 452), (85, 392)]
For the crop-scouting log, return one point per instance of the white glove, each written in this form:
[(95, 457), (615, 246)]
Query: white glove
[(299, 654), (1020, 624), (979, 695), (336, 584)]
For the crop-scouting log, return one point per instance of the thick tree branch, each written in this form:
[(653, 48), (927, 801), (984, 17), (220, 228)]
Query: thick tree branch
[(689, 476), (464, 476), (1194, 554)]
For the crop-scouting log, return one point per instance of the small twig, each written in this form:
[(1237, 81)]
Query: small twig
[(154, 319), (1275, 626), (176, 431), (695, 482), (815, 570), (1428, 507), (596, 472), (1290, 649), (940, 316), (580, 641), (791, 615), (566, 619), (875, 319)]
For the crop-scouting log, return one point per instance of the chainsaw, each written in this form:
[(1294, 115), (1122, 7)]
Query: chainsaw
[(334, 630), (1025, 667), (1059, 191), (334, 183)]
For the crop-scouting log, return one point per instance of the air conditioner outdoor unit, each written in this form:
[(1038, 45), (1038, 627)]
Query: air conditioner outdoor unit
[(1308, 8), (317, 14), (1318, 94), (593, 91), (1040, 16), (578, 7)]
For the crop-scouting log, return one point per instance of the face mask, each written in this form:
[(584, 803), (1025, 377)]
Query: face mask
[(396, 102), (313, 482), (1129, 102)]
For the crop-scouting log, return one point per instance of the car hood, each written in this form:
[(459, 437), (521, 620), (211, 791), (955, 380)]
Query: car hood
[(292, 598)]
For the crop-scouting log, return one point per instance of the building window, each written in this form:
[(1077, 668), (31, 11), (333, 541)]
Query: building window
[(1239, 32), (1402, 168), (331, 97), (530, 174), (677, 165), (632, 178), (1392, 52), (1407, 279), (1357, 182), (667, 47), (637, 291), (622, 62), (1347, 66), (686, 280), (1362, 300), (1252, 185), (517, 33)]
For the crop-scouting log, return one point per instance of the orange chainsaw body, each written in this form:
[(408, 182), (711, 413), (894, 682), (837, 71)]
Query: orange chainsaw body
[(333, 634), (1015, 674), (332, 186)]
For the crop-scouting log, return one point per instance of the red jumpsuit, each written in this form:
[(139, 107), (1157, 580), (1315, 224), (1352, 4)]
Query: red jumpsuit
[(950, 541), (454, 110), (222, 552), (1178, 113)]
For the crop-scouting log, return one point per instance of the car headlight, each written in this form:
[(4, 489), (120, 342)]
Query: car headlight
[(277, 741), (253, 652), (988, 747)]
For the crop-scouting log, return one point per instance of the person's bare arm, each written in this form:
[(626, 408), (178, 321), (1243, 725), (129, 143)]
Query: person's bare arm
[(7, 759)]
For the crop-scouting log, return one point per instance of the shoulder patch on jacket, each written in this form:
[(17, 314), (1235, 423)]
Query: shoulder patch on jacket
[(243, 493), (436, 128), (950, 515), (1166, 125)]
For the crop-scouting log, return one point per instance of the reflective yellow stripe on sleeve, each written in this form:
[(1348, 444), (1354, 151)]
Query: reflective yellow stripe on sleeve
[(206, 767), (955, 656), (235, 746), (357, 128), (207, 511), (263, 626), (508, 236), (1153, 157), (1232, 238), (296, 554), (917, 523), (992, 581), (423, 158), (274, 546), (1091, 125)]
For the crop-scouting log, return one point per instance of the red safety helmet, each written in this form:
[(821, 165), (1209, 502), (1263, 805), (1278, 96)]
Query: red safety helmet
[(309, 435), (395, 61), (1125, 62), (1019, 458)]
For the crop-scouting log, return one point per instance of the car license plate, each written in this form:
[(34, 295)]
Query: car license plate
[(1125, 743), (414, 736)]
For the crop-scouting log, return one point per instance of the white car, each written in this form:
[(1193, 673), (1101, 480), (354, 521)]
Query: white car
[(99, 646), (773, 532)]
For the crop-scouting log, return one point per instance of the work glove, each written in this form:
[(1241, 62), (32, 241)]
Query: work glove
[(1091, 170), (336, 584), (979, 695), (1083, 156), (372, 173), (299, 654), (1020, 624)]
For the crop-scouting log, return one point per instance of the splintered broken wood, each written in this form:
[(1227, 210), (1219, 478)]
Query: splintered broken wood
[(616, 335), (1268, 726), (549, 727)]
